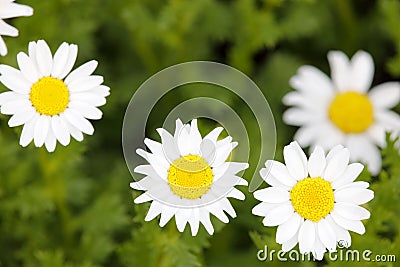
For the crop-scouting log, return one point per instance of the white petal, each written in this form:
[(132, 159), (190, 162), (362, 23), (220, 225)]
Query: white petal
[(385, 95), (22, 117), (340, 70), (289, 245), (279, 171), (6, 29), (350, 174), (236, 193), (60, 130), (326, 234), (307, 236), (84, 70), (44, 58), (75, 132), (313, 81), (194, 222), (86, 110), (183, 141), (307, 134), (300, 117), (222, 153), (213, 135), (278, 215), (319, 249), (16, 82), (342, 235), (15, 10), (72, 54), (208, 150), (362, 149), (89, 98), (60, 59), (288, 229), (216, 210), (337, 165), (295, 160), (3, 47), (28, 131), (41, 130), (376, 132), (166, 214), (158, 162), (10, 96), (195, 137), (155, 147), (351, 211), (170, 148), (154, 210), (85, 83), (351, 225), (78, 121), (263, 208), (27, 67), (362, 72), (143, 184), (358, 184), (205, 220), (145, 197), (271, 180), (272, 195), (390, 119), (317, 163), (16, 106), (50, 141), (354, 195)]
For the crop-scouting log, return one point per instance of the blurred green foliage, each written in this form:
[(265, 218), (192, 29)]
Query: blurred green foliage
[(74, 207)]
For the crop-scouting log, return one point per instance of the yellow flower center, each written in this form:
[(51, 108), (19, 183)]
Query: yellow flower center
[(190, 177), (49, 96), (351, 112), (312, 198)]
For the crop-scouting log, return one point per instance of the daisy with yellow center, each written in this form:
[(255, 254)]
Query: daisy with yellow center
[(314, 202), (341, 110), (51, 102), (188, 177), (8, 10)]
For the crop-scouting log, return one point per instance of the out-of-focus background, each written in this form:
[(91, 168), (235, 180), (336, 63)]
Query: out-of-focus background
[(74, 207)]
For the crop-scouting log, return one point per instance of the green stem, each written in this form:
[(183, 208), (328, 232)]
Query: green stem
[(56, 189)]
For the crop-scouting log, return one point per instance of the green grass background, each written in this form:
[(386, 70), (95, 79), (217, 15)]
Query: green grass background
[(74, 207)]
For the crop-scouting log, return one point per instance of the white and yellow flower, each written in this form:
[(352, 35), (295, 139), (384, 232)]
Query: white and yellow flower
[(188, 177), (9, 9), (314, 202), (341, 111), (51, 102)]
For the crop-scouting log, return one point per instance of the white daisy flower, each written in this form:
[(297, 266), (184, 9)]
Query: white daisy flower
[(50, 101), (341, 111), (313, 202), (188, 177), (9, 9)]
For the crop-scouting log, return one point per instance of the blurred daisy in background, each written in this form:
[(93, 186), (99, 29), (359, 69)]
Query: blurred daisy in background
[(51, 102), (189, 177), (313, 202), (9, 9), (341, 110)]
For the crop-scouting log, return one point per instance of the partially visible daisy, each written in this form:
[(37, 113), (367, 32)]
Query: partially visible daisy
[(188, 177), (341, 111), (313, 202), (9, 9), (51, 102)]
